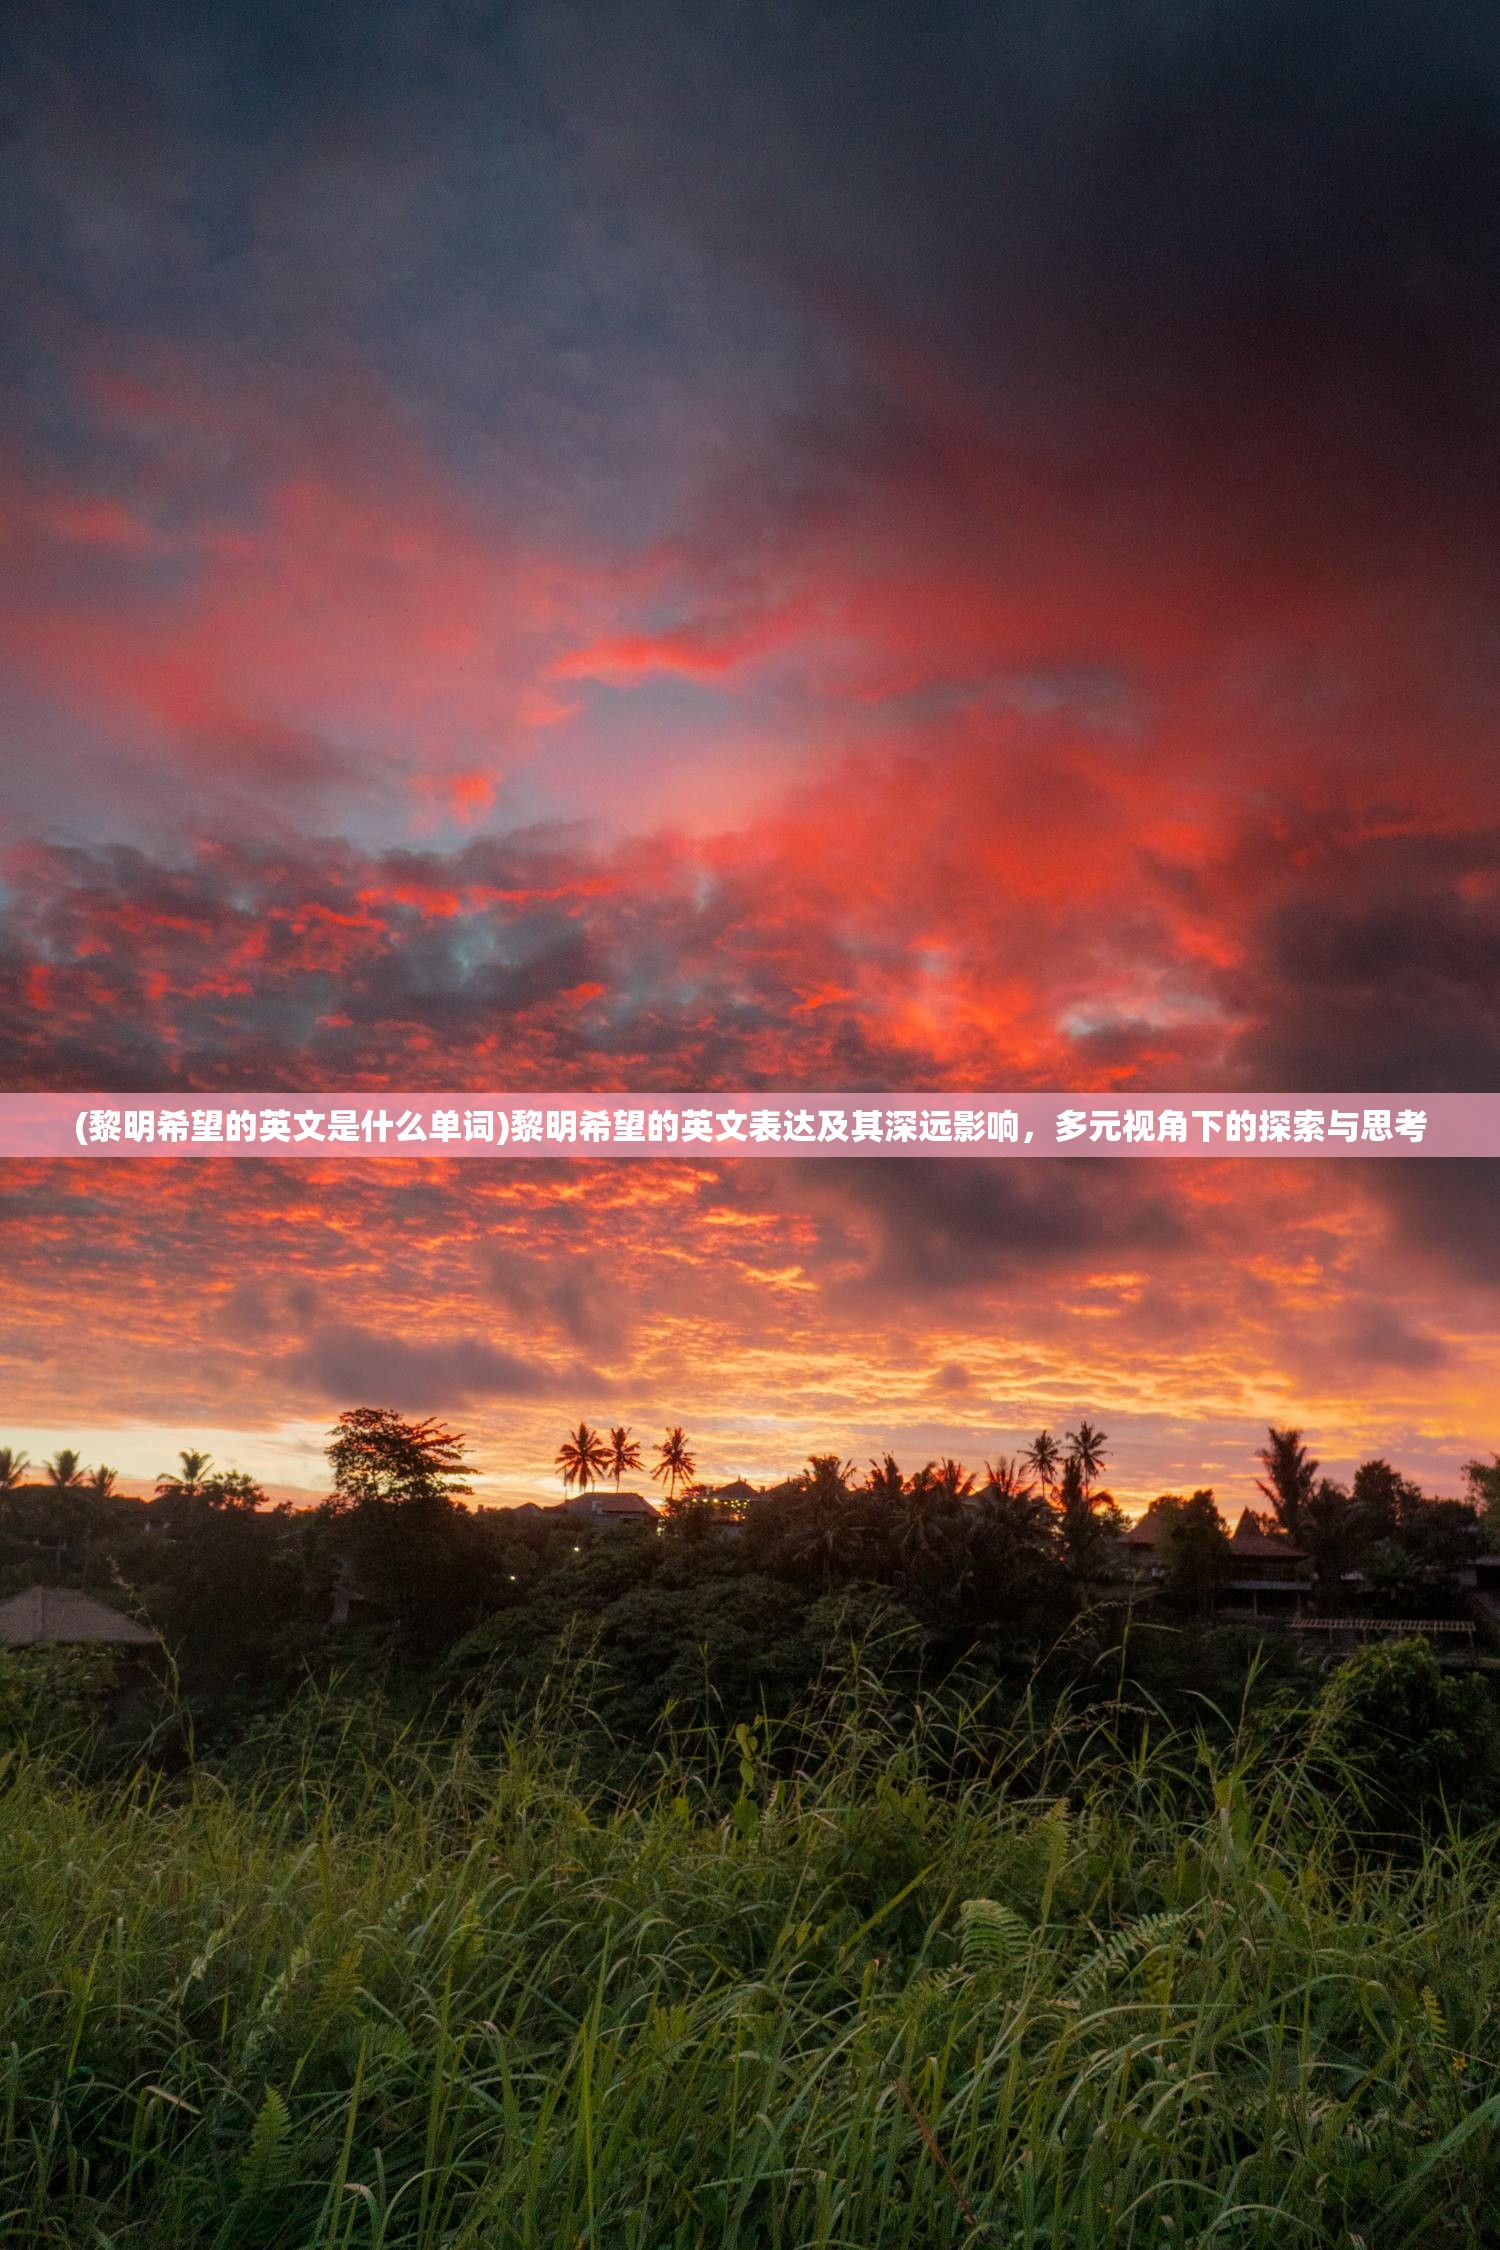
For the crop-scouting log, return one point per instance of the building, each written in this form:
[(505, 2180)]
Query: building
[(733, 1495), (55, 1616), (602, 1505), (1268, 1575), (606, 1506), (1139, 1550)]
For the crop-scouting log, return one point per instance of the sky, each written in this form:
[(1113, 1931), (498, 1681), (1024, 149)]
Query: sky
[(644, 546)]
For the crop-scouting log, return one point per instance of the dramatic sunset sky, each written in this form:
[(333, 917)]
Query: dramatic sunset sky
[(840, 546)]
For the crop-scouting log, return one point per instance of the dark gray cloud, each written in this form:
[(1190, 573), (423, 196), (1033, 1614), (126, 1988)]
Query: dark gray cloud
[(931, 1227), (1379, 970), (321, 965), (344, 1361), (1446, 1214), (587, 1298), (1377, 1336), (1269, 232)]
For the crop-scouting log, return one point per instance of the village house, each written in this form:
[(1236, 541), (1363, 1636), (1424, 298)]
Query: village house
[(1269, 1576), (52, 1616)]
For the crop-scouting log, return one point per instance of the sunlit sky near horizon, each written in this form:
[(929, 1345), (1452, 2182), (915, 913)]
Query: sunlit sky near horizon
[(630, 546)]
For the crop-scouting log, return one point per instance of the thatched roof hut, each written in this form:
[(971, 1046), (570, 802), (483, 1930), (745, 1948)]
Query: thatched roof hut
[(52, 1614)]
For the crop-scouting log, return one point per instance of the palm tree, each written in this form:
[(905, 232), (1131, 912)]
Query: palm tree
[(624, 1455), (674, 1463), (83, 1514), (826, 1527), (71, 1514), (583, 1458), (1086, 1447), (1290, 1479), (13, 1467), (953, 1480), (234, 1489), (1005, 1480), (931, 1521), (1043, 1457), (1085, 1520), (826, 1477), (189, 1482), (885, 1481)]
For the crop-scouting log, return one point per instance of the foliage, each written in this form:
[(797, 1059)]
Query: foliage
[(824, 1983), (1412, 1736), (1483, 1480), (378, 1455), (584, 1458), (53, 1698), (675, 1466), (1193, 1545), (1290, 1479), (396, 1487)]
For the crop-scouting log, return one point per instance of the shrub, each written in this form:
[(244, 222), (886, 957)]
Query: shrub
[(1413, 1735)]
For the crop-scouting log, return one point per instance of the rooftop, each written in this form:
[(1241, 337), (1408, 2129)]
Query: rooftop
[(62, 1613)]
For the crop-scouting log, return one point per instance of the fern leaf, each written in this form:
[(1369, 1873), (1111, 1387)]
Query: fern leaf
[(265, 2158)]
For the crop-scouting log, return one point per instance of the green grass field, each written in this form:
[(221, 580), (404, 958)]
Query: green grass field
[(421, 1988)]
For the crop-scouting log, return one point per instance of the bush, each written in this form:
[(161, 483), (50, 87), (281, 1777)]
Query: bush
[(1413, 1736), (54, 1697)]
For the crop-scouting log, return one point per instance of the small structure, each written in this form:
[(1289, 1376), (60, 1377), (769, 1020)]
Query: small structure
[(1267, 1573), (54, 1615), (1403, 1628), (1483, 1574), (610, 1507), (1140, 1549), (351, 1597)]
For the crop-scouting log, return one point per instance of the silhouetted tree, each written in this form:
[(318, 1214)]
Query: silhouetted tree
[(885, 1482), (1043, 1457), (930, 1524), (1193, 1545), (583, 1458), (624, 1455), (377, 1455), (1384, 1501), (235, 1490), (1006, 1478), (1327, 1527), (675, 1465), (1086, 1522), (13, 1467), (952, 1478), (1290, 1478), (1018, 1573), (1086, 1446), (188, 1481), (1483, 1481), (818, 1521), (97, 1491), (397, 1486), (72, 1514)]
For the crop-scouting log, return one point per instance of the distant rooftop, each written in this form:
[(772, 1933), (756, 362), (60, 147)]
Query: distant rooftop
[(604, 1502), (61, 1613), (1249, 1539)]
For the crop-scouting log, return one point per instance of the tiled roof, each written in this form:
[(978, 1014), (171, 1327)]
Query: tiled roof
[(62, 1613), (1248, 1541)]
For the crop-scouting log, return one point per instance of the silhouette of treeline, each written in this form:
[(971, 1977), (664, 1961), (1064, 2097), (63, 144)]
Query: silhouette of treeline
[(733, 1602)]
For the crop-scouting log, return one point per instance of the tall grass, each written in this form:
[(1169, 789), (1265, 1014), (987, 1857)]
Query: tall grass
[(410, 1989)]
